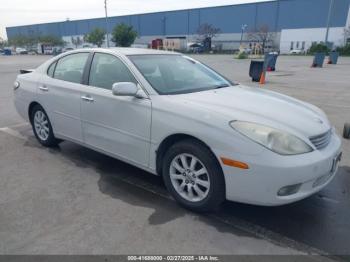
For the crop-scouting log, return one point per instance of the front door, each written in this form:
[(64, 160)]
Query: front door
[(117, 125)]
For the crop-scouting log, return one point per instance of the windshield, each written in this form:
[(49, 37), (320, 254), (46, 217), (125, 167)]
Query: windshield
[(177, 74)]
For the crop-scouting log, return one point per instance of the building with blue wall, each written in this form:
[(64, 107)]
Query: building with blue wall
[(289, 19)]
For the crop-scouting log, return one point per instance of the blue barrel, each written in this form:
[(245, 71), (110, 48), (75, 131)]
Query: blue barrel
[(270, 60), (318, 60), (7, 52), (333, 58), (256, 69)]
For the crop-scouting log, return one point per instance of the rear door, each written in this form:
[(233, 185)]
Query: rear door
[(117, 125), (60, 94)]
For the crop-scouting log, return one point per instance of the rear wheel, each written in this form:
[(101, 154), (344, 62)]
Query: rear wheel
[(193, 176), (42, 127)]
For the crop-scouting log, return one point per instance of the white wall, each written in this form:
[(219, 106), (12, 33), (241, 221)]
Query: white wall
[(309, 35)]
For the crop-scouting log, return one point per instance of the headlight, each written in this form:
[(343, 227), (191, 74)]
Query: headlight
[(273, 139)]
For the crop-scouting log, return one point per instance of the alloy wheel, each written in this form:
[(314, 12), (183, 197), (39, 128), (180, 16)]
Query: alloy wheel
[(41, 125), (189, 177)]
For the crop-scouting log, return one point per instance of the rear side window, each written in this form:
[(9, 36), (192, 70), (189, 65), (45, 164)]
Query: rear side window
[(51, 69), (106, 70), (71, 67)]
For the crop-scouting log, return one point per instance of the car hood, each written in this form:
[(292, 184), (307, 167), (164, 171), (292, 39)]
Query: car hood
[(260, 106)]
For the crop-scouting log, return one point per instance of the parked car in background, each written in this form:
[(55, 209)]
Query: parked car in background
[(196, 48), (56, 50), (7, 51), (21, 51), (209, 138), (67, 49), (296, 52), (247, 51), (33, 52)]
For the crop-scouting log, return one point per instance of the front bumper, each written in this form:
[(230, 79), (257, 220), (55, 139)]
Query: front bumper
[(269, 172)]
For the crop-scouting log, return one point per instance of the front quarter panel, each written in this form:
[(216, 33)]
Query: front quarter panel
[(170, 117)]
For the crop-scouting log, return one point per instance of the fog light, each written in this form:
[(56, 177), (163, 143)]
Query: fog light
[(289, 190)]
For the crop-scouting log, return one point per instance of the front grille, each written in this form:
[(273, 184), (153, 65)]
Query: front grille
[(321, 141)]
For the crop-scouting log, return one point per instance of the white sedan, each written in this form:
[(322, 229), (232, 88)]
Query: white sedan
[(209, 138), (296, 52)]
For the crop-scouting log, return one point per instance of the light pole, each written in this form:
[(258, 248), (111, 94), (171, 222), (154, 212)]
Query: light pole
[(106, 23), (164, 25), (331, 4), (243, 28)]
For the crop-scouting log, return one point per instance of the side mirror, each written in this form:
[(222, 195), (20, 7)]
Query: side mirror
[(124, 89), (128, 89)]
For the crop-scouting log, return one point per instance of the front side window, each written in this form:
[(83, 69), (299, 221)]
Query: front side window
[(71, 67), (106, 70), (176, 74)]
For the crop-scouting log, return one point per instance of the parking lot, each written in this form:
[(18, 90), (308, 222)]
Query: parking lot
[(72, 200)]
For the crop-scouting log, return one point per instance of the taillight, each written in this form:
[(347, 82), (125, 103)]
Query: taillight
[(16, 85)]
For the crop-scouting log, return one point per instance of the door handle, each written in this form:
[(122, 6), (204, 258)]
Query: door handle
[(43, 88), (87, 98)]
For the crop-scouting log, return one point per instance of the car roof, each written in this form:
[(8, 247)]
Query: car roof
[(130, 51)]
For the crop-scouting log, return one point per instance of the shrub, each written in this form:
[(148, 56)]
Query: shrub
[(318, 48), (344, 50), (242, 55)]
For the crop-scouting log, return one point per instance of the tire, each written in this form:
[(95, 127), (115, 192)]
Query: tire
[(47, 140), (181, 182), (346, 132)]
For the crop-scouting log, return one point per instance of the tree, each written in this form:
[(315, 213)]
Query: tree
[(346, 35), (18, 40), (123, 35), (30, 41), (206, 32), (3, 43), (344, 50), (261, 35), (76, 41), (96, 37), (319, 48), (51, 40)]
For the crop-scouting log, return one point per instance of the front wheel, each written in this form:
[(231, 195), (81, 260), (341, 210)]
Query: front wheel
[(193, 176), (42, 127)]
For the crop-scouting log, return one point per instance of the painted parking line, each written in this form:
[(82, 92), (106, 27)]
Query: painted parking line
[(19, 125), (12, 132)]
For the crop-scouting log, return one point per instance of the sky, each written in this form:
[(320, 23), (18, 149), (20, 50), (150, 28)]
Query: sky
[(23, 12)]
